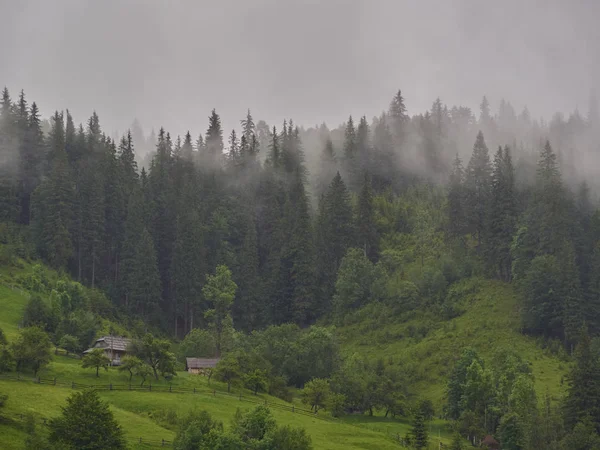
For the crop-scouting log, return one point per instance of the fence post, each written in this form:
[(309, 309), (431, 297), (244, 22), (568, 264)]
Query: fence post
[(163, 443), (38, 380), (150, 387), (240, 396), (129, 386), (293, 408), (110, 387), (140, 440), (170, 388), (194, 390), (214, 393), (54, 381), (72, 385)]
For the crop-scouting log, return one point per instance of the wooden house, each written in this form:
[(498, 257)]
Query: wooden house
[(490, 443), (115, 347), (200, 366)]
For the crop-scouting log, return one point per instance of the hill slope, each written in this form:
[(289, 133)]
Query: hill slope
[(429, 345)]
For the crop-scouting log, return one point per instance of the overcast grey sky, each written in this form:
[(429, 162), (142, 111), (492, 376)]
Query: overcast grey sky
[(170, 62)]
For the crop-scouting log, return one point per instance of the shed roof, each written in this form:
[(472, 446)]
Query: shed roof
[(117, 343), (490, 442), (201, 363)]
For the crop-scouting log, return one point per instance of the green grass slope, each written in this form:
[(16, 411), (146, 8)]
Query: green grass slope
[(142, 414), (429, 345)]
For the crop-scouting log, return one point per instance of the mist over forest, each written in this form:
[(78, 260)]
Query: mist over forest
[(387, 212)]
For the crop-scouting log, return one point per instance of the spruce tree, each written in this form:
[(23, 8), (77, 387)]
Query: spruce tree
[(456, 200), (335, 234), (419, 435), (248, 310), (398, 118), (366, 225), (214, 137), (350, 156), (274, 156), (145, 282), (134, 224), (188, 269), (302, 255), (502, 215), (129, 168), (115, 208), (327, 167), (163, 214), (31, 155), (477, 188), (583, 395)]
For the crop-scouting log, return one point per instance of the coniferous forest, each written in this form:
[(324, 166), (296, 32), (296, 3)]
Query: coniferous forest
[(312, 225)]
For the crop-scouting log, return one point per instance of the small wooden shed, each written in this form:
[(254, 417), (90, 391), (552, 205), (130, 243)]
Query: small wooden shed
[(490, 443), (200, 366), (115, 347)]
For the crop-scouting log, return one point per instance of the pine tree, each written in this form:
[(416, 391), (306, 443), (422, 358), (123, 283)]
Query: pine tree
[(419, 436), (335, 234), (274, 156), (70, 140), (456, 200), (188, 268), (363, 151), (31, 155), (134, 224), (145, 282), (163, 211), (9, 160), (583, 395), (302, 255), (350, 157), (327, 167), (366, 225), (384, 160), (128, 164), (248, 312), (477, 188), (398, 118), (52, 215), (214, 137), (502, 215), (115, 208)]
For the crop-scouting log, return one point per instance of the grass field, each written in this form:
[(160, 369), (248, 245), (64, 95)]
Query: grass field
[(491, 322), (142, 414)]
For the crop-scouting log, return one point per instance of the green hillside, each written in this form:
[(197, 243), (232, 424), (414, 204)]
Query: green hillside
[(143, 414), (425, 344), (429, 345)]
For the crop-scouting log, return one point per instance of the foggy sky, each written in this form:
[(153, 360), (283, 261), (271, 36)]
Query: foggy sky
[(170, 62)]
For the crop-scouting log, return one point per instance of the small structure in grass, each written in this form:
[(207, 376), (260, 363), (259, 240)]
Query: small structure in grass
[(490, 443), (115, 347), (201, 366)]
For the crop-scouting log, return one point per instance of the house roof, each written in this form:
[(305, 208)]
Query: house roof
[(117, 343), (201, 363), (490, 442)]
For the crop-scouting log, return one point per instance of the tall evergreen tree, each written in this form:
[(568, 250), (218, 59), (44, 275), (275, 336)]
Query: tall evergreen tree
[(129, 168), (248, 310), (366, 225), (583, 395), (350, 161), (214, 137), (399, 119), (145, 287), (134, 226), (502, 215), (188, 269), (477, 188), (456, 200)]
